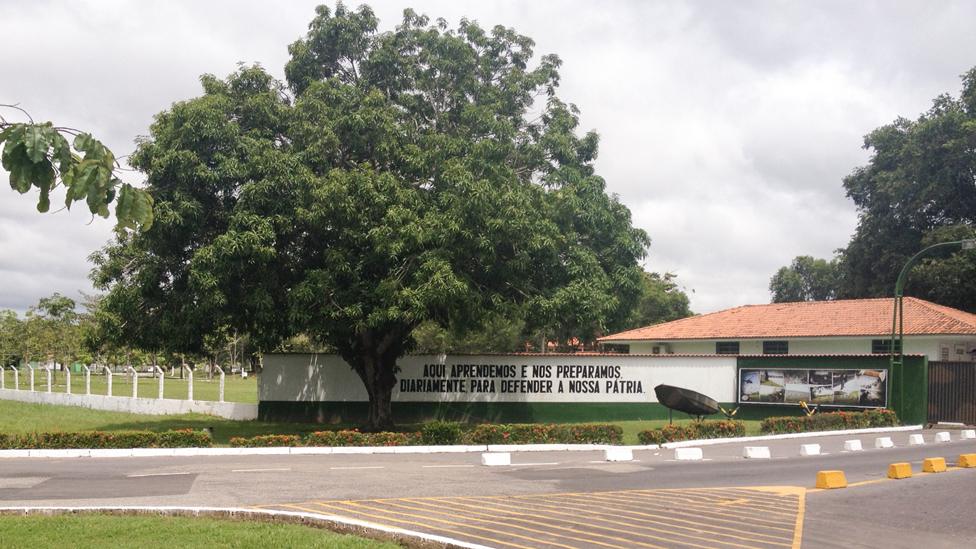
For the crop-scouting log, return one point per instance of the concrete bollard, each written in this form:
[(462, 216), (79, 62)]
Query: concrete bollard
[(916, 440), (967, 434), (883, 442), (756, 452), (900, 470), (618, 454), (934, 465), (829, 480), (943, 436), (688, 454), (495, 459), (967, 460), (853, 445), (809, 449)]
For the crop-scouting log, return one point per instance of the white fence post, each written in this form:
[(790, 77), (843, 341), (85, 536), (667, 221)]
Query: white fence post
[(220, 392), (3, 376), (31, 368), (47, 369), (16, 378), (189, 382), (162, 375), (87, 379), (67, 380), (108, 372), (135, 381)]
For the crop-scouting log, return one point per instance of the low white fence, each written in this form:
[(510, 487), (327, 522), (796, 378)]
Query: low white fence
[(132, 404)]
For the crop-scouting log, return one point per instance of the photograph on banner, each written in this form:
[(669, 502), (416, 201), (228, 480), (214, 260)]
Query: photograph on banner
[(843, 388)]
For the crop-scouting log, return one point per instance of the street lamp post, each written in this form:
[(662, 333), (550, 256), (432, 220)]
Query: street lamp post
[(898, 319)]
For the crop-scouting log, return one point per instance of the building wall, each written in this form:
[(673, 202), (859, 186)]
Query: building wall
[(930, 346)]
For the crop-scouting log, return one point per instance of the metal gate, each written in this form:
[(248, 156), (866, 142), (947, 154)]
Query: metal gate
[(952, 392)]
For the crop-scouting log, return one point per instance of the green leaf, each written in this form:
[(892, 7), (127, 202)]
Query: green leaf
[(37, 141)]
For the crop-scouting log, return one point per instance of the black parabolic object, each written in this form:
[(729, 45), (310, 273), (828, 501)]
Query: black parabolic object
[(686, 400)]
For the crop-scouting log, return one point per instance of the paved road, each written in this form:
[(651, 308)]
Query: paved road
[(556, 499)]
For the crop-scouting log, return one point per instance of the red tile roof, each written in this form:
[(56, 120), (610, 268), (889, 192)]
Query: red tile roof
[(851, 317)]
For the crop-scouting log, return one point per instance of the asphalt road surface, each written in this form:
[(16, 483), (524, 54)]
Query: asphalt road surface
[(558, 499)]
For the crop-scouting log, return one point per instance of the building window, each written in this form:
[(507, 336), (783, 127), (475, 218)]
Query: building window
[(776, 347), (883, 346), (726, 347)]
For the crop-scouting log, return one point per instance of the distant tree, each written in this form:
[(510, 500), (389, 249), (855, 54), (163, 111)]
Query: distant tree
[(918, 188), (11, 334), (806, 279), (661, 300)]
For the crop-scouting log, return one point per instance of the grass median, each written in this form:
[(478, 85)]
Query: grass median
[(36, 532)]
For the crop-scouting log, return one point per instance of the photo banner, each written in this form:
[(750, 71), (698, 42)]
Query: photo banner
[(825, 387)]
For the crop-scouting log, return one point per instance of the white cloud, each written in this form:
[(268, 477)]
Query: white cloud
[(725, 127)]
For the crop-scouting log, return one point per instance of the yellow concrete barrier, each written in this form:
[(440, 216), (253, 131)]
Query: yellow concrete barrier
[(900, 470), (934, 465), (967, 460), (828, 480)]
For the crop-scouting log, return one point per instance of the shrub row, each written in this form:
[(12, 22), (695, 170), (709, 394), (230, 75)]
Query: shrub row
[(830, 421), (442, 432), (181, 438), (693, 431)]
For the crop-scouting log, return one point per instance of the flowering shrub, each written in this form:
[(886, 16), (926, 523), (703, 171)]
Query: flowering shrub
[(355, 438), (490, 433), (830, 421), (263, 441), (58, 440), (693, 431), (441, 432)]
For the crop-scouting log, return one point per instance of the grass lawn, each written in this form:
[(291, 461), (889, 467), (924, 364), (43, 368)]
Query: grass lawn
[(38, 532), (22, 417), (235, 388)]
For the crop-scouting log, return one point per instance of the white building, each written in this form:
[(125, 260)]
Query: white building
[(856, 326)]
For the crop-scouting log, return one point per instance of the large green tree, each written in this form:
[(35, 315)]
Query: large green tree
[(918, 188), (420, 174)]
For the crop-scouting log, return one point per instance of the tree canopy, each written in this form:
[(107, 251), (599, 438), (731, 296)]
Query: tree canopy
[(423, 174), (805, 279), (918, 188)]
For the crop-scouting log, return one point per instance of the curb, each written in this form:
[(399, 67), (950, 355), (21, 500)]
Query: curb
[(811, 434), (311, 450), (345, 524)]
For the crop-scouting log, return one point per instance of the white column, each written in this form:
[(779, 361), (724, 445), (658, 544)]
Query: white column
[(189, 381), (162, 375), (3, 376), (31, 368), (220, 392), (16, 378), (87, 379), (67, 380), (108, 372), (135, 381), (47, 369)]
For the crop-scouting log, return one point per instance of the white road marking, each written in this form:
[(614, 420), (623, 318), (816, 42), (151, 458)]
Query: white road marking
[(444, 466), (616, 462), (260, 470), (364, 467), (534, 464), (21, 482), (158, 475)]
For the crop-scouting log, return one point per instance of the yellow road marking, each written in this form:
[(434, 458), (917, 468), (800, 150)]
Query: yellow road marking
[(711, 509), (798, 529), (739, 501), (701, 527), (487, 521), (670, 519), (455, 532)]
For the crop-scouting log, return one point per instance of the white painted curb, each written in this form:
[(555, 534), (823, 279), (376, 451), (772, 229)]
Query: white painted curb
[(756, 452), (688, 454), (809, 449), (241, 512), (711, 441)]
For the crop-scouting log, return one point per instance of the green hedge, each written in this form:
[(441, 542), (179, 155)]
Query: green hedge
[(830, 421), (441, 432), (693, 431), (356, 438), (265, 441), (517, 433), (182, 438)]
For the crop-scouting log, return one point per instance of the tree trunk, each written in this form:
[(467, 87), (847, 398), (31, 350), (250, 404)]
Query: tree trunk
[(373, 356)]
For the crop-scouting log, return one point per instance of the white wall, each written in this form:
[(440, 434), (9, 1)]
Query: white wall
[(151, 406), (927, 345), (310, 378)]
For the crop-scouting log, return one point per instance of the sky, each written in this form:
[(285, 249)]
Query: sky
[(726, 127)]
